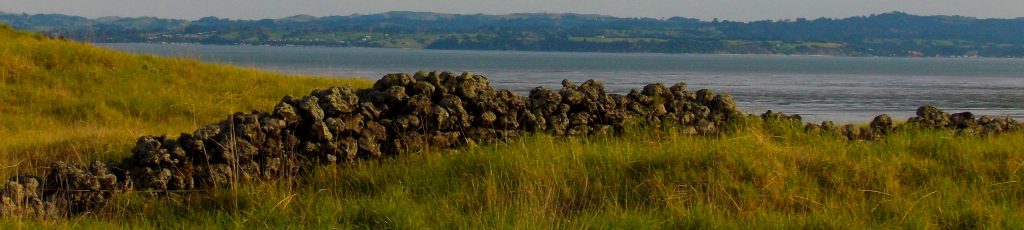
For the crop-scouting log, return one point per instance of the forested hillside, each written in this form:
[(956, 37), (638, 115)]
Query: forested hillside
[(889, 34)]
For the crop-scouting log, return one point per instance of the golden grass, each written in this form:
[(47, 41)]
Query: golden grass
[(763, 175), (68, 100)]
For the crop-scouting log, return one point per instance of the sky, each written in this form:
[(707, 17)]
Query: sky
[(735, 10)]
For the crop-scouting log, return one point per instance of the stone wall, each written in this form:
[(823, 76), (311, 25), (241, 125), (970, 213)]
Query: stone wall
[(927, 117), (400, 114)]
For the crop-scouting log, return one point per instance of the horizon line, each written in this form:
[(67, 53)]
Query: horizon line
[(523, 13)]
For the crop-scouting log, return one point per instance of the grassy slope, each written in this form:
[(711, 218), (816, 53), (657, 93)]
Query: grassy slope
[(762, 175), (63, 99)]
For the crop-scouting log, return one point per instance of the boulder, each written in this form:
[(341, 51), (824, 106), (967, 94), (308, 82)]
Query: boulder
[(852, 132), (310, 109), (78, 188), (828, 126), (656, 90), (779, 116), (319, 132), (23, 195), (678, 88), (882, 123), (286, 112), (486, 120), (705, 96), (391, 80), (592, 89), (962, 120), (812, 128), (931, 117), (337, 101)]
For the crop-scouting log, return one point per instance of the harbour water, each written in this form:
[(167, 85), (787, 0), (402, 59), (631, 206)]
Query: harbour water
[(843, 89)]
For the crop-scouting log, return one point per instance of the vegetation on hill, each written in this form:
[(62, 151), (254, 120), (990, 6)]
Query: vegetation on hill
[(761, 174), (69, 100), (889, 34)]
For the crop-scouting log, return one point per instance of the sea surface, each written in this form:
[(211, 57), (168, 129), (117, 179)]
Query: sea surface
[(843, 89)]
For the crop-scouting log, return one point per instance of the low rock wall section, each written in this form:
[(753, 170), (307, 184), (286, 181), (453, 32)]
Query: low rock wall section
[(928, 117), (401, 113)]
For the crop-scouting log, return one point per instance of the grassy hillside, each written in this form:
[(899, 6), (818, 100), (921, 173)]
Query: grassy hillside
[(65, 100), (69, 100)]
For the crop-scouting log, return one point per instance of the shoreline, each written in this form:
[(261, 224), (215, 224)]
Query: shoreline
[(574, 52)]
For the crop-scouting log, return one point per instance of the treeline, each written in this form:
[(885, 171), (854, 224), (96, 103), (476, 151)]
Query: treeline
[(888, 34)]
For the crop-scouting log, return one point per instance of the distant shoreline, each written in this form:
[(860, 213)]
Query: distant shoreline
[(893, 34), (578, 52)]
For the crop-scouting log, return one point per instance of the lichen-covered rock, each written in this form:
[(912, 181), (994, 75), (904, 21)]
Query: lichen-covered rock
[(828, 126), (592, 89), (656, 90), (705, 96), (486, 120), (23, 196), (337, 101), (391, 80), (812, 128), (678, 88), (931, 117), (393, 95), (964, 120), (371, 138), (852, 132), (544, 101), (993, 125), (882, 124), (310, 108), (319, 132), (779, 116), (287, 112), (80, 188), (467, 85)]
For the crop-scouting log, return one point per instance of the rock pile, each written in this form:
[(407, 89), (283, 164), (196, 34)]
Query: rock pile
[(928, 116), (780, 116), (931, 117), (401, 113)]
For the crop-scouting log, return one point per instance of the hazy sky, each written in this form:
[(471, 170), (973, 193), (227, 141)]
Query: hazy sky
[(739, 10)]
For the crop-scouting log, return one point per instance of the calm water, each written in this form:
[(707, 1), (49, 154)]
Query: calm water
[(819, 88)]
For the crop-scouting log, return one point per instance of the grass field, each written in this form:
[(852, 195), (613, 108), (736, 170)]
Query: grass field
[(70, 101)]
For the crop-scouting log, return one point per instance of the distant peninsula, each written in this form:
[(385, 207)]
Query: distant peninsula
[(893, 34)]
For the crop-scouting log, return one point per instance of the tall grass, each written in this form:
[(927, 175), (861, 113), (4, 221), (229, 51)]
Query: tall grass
[(760, 176), (65, 100)]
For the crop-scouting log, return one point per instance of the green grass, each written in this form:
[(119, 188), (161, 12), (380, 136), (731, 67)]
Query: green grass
[(72, 101), (768, 176), (760, 175)]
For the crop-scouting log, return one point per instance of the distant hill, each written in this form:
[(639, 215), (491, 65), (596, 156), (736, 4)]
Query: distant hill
[(888, 34)]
